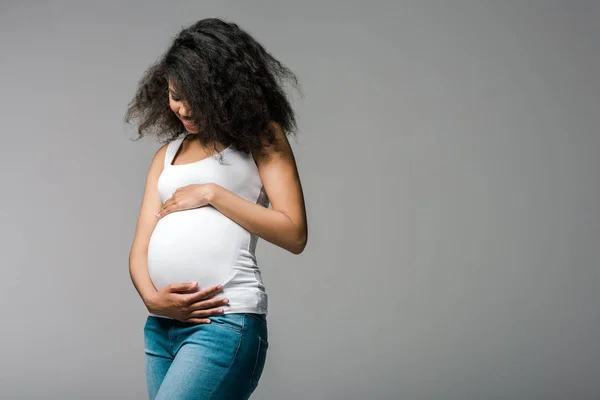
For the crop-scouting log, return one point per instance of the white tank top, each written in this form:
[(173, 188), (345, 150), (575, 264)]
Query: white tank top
[(203, 245)]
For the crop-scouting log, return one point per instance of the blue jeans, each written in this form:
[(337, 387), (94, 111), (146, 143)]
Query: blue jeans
[(220, 360)]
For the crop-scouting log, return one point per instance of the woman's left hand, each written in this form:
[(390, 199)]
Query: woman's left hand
[(188, 197)]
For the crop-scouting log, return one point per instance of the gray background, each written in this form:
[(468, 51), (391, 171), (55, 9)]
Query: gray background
[(449, 155)]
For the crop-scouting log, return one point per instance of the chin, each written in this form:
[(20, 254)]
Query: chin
[(190, 129)]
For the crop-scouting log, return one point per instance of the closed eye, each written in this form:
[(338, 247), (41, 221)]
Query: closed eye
[(174, 96)]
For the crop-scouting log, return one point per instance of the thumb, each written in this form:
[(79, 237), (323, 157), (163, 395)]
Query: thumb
[(178, 287)]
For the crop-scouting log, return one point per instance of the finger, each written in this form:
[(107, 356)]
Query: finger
[(206, 313), (160, 210), (167, 203), (206, 304), (208, 291), (203, 293), (181, 286), (198, 320), (168, 210)]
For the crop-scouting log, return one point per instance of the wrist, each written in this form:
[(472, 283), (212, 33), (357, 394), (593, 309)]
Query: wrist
[(213, 193), (148, 300)]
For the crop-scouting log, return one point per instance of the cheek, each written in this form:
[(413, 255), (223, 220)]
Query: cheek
[(173, 106)]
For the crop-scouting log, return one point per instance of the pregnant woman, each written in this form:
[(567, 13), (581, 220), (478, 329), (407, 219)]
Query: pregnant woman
[(216, 98)]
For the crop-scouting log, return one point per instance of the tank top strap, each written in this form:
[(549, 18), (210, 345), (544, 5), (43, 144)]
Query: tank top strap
[(172, 148)]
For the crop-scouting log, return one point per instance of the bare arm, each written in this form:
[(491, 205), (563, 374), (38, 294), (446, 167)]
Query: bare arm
[(151, 203), (285, 224)]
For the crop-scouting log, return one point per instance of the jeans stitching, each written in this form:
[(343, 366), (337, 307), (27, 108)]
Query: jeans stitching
[(252, 315), (232, 361), (260, 348), (229, 325), (171, 342)]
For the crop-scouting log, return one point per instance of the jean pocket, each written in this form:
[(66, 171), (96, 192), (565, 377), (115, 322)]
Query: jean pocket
[(261, 357), (259, 317), (231, 321)]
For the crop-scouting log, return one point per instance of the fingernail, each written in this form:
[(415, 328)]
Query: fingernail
[(226, 301)]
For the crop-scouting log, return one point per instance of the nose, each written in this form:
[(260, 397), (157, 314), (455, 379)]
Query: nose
[(183, 111)]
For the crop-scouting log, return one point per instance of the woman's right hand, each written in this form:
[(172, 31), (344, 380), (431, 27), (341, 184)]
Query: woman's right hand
[(172, 301)]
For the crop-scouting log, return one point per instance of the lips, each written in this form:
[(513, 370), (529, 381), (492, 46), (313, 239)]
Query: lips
[(186, 121)]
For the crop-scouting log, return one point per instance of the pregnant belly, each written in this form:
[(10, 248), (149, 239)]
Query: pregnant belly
[(200, 245)]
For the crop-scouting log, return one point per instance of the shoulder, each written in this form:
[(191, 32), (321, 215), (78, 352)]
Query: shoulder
[(280, 147), (158, 160), (162, 152)]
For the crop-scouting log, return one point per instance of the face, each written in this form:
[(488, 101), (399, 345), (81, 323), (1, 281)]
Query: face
[(181, 108)]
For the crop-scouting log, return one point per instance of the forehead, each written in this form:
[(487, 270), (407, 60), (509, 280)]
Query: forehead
[(171, 85), (173, 91)]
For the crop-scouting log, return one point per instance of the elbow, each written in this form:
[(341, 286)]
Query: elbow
[(299, 244)]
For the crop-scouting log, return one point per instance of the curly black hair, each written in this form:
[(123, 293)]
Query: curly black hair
[(233, 85)]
